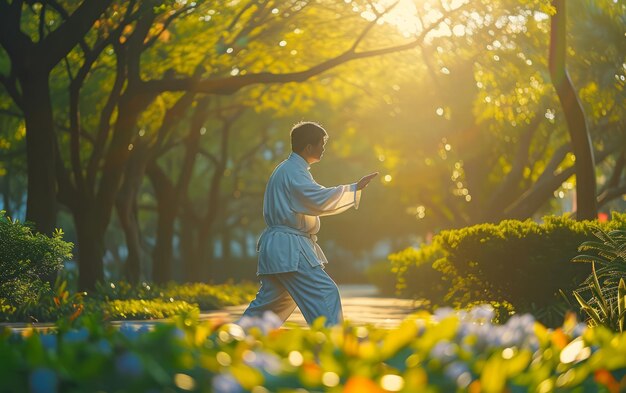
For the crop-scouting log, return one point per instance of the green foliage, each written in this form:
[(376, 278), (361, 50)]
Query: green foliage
[(433, 353), (605, 303), (522, 263), (121, 300), (144, 309), (59, 303), (26, 258), (206, 296)]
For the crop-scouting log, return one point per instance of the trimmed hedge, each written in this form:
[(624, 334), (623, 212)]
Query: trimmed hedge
[(519, 263)]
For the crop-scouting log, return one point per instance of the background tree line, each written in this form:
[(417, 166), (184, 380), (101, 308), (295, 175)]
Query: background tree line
[(161, 121)]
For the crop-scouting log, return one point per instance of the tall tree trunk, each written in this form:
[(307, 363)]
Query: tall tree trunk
[(126, 207), (166, 216), (127, 213), (586, 203), (99, 206), (90, 247), (188, 247), (41, 204), (163, 250)]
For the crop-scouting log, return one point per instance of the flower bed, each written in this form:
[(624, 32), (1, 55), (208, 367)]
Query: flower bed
[(443, 352)]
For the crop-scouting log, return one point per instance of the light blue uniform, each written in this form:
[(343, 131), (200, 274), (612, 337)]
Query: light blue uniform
[(291, 263)]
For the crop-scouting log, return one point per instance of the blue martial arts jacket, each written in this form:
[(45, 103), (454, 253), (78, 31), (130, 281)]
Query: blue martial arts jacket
[(292, 205)]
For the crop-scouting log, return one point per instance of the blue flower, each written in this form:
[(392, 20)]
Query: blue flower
[(43, 380), (76, 336), (104, 347), (129, 364), (129, 331), (49, 341)]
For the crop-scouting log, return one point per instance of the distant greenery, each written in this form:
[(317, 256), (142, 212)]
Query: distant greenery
[(523, 264), (444, 352), (26, 259)]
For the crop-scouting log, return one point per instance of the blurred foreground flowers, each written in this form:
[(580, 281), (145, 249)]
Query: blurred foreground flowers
[(443, 352)]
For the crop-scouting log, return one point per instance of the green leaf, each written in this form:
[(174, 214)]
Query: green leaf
[(621, 303)]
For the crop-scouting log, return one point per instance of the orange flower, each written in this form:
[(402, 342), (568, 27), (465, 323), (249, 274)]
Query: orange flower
[(607, 379), (559, 339), (358, 384)]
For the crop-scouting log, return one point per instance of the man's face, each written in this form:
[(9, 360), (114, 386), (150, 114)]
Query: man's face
[(316, 151)]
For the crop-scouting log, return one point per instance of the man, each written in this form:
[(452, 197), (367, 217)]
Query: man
[(291, 263)]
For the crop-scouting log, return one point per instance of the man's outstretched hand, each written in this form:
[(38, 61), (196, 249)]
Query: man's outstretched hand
[(365, 180)]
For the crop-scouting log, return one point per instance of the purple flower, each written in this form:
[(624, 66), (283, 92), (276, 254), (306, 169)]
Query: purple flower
[(483, 312), (455, 369), (444, 351), (268, 322), (443, 312), (579, 329), (265, 362), (226, 383)]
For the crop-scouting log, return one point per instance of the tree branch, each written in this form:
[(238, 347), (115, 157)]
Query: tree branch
[(61, 41), (230, 85), (9, 83), (166, 23), (104, 127)]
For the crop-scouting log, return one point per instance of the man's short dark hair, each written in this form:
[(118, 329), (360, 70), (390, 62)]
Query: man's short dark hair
[(305, 133)]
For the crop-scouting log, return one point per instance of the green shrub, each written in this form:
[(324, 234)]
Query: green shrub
[(416, 276), (26, 258), (522, 263), (606, 303)]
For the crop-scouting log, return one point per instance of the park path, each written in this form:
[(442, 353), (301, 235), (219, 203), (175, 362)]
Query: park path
[(361, 306)]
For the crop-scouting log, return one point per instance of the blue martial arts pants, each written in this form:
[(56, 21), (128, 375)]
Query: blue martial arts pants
[(309, 288)]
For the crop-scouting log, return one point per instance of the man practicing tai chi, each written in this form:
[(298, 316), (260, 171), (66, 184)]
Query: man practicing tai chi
[(291, 263)]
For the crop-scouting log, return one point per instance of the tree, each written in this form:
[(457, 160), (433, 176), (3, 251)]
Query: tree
[(28, 85), (574, 116)]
